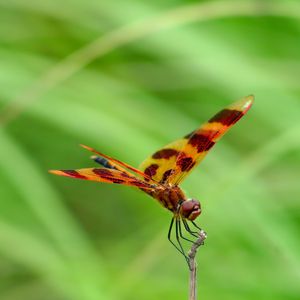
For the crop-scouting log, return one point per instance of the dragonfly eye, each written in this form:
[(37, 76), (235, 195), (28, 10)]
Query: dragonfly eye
[(190, 209)]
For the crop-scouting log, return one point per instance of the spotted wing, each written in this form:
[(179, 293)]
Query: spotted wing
[(105, 175), (119, 165), (200, 142), (161, 163), (172, 163)]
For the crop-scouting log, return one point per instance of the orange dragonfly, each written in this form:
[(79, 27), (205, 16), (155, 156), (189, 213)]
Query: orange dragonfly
[(160, 174)]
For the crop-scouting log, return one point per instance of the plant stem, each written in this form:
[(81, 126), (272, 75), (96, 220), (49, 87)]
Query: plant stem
[(193, 266)]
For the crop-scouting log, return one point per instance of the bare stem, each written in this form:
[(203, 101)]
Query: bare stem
[(193, 266)]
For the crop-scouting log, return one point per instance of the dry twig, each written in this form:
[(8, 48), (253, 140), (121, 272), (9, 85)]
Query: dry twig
[(193, 266)]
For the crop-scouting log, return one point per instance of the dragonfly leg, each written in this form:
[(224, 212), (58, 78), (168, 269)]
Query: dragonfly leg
[(170, 238), (200, 230), (196, 226), (179, 242), (180, 248), (188, 229), (180, 233)]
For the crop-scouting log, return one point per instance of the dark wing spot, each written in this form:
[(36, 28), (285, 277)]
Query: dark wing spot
[(102, 172), (74, 174), (116, 180), (166, 175), (151, 170), (106, 174), (227, 117), (201, 142), (185, 163), (165, 153), (138, 183), (191, 166)]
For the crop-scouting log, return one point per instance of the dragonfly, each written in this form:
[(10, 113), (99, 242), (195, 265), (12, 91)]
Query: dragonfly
[(161, 173)]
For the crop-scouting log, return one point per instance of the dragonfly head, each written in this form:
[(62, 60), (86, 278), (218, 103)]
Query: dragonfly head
[(190, 209)]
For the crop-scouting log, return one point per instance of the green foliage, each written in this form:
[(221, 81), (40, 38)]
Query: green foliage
[(127, 77)]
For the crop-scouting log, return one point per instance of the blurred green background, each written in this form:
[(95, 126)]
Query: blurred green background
[(127, 77)]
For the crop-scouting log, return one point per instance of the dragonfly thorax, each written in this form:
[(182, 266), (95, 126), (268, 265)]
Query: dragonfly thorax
[(174, 200), (170, 197), (190, 209)]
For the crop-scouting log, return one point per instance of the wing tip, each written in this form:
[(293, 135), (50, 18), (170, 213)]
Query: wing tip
[(86, 147), (244, 104), (57, 172), (249, 100)]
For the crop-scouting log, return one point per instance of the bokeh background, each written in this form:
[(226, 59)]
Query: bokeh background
[(127, 77)]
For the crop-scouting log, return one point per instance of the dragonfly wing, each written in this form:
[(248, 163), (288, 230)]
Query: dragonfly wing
[(159, 165), (105, 175), (119, 165), (172, 163), (201, 141)]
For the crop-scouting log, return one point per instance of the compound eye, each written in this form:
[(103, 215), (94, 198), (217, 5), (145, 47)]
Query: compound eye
[(191, 209)]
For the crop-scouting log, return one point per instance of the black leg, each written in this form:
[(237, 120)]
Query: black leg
[(169, 236), (179, 243), (181, 235), (188, 229), (197, 228), (196, 225)]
